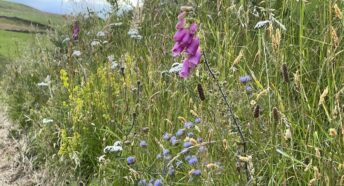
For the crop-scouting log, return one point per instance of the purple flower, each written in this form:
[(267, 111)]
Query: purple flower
[(158, 182), (174, 140), (188, 125), (185, 72), (143, 144), (158, 156), (171, 171), (76, 30), (177, 49), (180, 132), (245, 79), (179, 35), (195, 59), (166, 152), (193, 160), (193, 47), (190, 134), (187, 38), (181, 23), (196, 172), (198, 120), (184, 151), (167, 136), (131, 160), (187, 144), (193, 28)]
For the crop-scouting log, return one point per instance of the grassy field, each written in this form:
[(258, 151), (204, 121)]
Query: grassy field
[(108, 110), (12, 43)]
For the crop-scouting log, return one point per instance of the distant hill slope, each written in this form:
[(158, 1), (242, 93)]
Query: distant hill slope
[(10, 9), (15, 18)]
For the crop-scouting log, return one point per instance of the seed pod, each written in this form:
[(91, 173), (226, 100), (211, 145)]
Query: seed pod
[(275, 113), (285, 73), (200, 92), (256, 111)]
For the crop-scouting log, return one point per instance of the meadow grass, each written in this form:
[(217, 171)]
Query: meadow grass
[(291, 117)]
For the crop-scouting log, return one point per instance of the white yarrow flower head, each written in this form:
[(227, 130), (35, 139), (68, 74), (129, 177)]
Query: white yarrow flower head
[(95, 43), (117, 147), (101, 158), (101, 34), (176, 67), (76, 53), (118, 24), (261, 24), (133, 31), (47, 121)]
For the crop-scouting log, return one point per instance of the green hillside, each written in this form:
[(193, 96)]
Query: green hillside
[(10, 9), (18, 25)]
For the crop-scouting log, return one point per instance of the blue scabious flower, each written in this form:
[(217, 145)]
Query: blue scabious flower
[(198, 120), (187, 158), (131, 160), (158, 156), (166, 152), (174, 140), (249, 88), (196, 172), (171, 171), (190, 134), (158, 182), (184, 151), (180, 132), (187, 144), (193, 160), (199, 140), (188, 125), (245, 79), (143, 144), (166, 136)]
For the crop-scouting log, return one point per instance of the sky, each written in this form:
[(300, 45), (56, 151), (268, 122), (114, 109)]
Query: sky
[(70, 6)]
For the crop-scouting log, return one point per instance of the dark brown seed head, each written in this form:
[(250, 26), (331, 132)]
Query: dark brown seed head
[(200, 92), (275, 113), (256, 111), (285, 73)]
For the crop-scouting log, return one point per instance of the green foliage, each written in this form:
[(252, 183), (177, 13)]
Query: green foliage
[(288, 119)]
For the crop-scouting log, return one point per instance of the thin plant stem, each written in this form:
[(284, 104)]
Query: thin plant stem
[(230, 110)]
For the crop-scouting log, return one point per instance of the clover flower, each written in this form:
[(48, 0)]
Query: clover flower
[(131, 160), (185, 40)]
